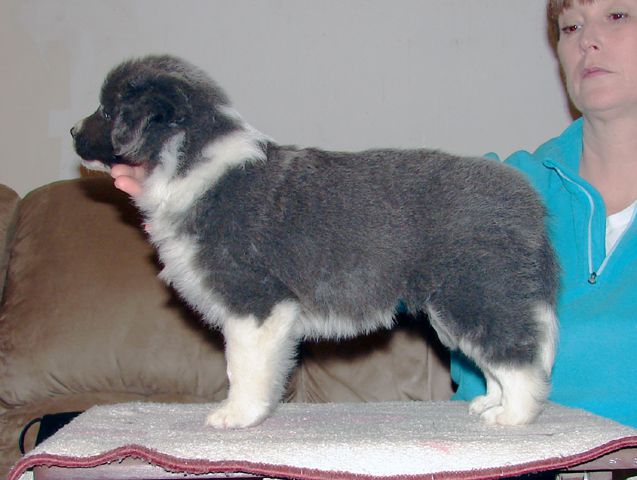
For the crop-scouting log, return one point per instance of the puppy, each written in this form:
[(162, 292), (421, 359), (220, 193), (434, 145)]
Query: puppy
[(273, 244)]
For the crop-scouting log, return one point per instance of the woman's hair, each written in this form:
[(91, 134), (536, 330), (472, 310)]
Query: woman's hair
[(554, 8)]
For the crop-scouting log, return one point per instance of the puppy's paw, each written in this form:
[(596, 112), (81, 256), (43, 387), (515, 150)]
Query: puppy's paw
[(237, 415), (507, 417), (483, 403), (490, 415)]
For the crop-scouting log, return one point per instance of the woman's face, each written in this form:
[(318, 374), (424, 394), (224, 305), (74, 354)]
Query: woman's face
[(598, 52)]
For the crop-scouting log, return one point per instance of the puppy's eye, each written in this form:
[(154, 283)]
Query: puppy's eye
[(105, 115)]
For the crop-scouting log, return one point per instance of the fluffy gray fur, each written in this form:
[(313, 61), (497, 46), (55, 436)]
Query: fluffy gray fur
[(343, 237)]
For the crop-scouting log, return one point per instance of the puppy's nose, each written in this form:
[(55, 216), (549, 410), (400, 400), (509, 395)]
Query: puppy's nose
[(76, 128)]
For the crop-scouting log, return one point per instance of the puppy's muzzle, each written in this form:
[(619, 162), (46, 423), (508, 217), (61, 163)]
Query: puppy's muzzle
[(75, 129)]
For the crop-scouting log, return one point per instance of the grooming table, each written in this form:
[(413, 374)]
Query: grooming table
[(375, 441)]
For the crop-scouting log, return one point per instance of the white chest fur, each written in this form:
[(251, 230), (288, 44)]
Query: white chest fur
[(167, 196)]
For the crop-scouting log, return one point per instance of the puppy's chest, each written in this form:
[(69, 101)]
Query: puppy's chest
[(204, 237), (177, 248), (189, 244)]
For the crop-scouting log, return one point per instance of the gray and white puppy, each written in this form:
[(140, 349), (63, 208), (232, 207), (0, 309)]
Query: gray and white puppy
[(274, 244)]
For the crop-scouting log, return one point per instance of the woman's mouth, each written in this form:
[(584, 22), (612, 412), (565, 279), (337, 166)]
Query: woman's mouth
[(590, 72)]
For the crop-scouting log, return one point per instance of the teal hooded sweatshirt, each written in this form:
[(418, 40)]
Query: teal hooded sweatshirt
[(596, 362)]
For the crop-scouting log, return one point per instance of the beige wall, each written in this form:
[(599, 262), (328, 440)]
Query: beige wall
[(469, 76)]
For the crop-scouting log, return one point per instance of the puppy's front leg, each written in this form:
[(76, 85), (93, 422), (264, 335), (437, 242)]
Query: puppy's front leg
[(259, 358)]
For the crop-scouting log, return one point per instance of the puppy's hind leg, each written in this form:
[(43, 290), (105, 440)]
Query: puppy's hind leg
[(259, 358), (525, 388)]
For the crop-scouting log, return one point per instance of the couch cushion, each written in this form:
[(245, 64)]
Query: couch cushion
[(84, 311)]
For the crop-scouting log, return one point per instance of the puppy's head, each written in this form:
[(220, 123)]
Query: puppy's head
[(144, 103)]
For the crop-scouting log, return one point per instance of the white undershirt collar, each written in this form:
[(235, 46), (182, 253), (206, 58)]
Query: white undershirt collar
[(616, 225)]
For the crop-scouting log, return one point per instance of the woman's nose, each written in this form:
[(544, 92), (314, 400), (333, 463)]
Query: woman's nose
[(590, 39)]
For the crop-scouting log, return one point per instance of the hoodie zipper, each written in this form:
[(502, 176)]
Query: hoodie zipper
[(593, 274)]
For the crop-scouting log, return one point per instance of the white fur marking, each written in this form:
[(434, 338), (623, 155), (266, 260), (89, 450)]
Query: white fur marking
[(523, 393), (547, 318), (181, 271), (493, 397), (259, 359), (166, 196), (95, 165), (440, 326), (333, 325), (163, 190)]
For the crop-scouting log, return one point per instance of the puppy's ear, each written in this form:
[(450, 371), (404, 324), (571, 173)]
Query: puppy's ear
[(168, 95), (160, 102)]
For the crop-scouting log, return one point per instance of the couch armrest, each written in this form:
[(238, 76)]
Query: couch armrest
[(8, 212)]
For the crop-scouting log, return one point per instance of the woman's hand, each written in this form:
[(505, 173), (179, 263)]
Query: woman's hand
[(128, 179)]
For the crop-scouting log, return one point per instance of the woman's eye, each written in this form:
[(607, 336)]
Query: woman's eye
[(569, 29), (618, 16)]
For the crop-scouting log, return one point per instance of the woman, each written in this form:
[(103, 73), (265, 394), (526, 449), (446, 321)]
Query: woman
[(588, 179)]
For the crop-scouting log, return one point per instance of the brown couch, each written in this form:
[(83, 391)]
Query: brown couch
[(84, 321)]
